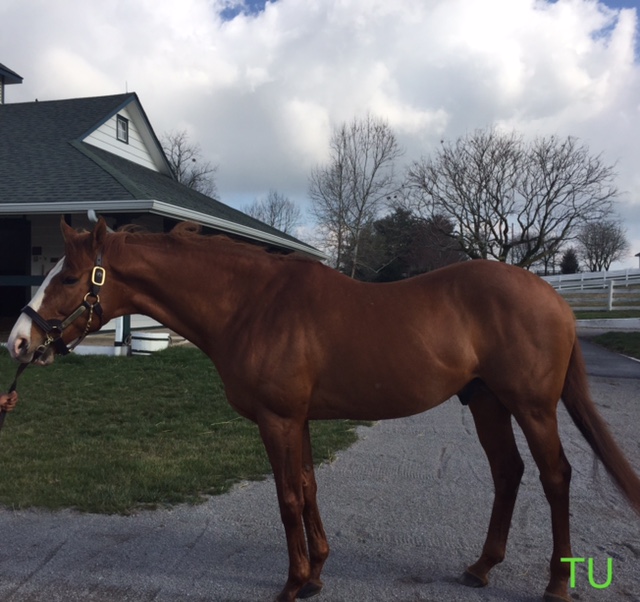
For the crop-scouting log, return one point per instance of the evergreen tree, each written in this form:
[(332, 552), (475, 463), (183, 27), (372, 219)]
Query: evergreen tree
[(569, 263)]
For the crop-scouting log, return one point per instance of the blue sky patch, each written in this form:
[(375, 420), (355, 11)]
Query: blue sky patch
[(242, 7), (621, 3)]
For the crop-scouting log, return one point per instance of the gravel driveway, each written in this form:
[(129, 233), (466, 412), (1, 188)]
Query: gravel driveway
[(405, 510)]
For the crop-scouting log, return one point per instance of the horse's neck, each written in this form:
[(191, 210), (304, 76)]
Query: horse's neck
[(196, 293)]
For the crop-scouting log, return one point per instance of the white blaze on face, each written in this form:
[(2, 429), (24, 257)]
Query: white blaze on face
[(20, 337)]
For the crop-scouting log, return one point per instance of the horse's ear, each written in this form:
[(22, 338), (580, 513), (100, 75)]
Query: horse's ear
[(99, 233), (67, 231)]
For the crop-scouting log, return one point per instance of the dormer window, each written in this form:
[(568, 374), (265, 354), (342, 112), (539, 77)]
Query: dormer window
[(122, 129)]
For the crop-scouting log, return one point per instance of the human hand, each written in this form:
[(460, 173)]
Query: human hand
[(8, 401)]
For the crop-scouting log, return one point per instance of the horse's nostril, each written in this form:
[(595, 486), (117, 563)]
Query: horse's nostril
[(21, 345)]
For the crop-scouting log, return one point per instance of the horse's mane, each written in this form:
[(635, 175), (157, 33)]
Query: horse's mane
[(191, 232)]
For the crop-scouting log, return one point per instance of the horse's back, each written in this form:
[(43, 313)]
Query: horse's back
[(479, 298)]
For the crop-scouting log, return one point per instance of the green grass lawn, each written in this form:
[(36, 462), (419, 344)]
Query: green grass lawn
[(609, 315), (627, 343), (112, 435)]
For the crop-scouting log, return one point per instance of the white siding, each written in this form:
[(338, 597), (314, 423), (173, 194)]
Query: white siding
[(136, 150)]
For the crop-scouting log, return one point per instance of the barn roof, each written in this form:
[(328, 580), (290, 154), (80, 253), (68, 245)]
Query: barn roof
[(47, 166)]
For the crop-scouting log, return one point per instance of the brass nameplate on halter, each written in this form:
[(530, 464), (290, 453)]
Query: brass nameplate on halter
[(98, 276)]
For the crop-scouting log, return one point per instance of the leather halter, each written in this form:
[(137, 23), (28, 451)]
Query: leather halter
[(53, 329)]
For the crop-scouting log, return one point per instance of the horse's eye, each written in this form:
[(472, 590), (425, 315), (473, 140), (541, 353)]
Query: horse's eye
[(69, 280)]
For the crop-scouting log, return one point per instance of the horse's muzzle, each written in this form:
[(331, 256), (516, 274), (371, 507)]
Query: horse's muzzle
[(22, 350)]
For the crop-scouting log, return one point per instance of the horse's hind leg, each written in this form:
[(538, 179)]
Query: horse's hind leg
[(493, 424), (318, 546), (540, 426)]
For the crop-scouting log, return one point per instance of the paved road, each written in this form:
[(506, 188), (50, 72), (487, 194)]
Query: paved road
[(601, 362), (405, 510)]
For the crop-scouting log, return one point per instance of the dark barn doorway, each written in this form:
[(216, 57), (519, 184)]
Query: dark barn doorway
[(15, 252)]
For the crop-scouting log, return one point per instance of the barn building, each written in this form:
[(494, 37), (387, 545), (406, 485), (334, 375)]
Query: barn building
[(87, 156)]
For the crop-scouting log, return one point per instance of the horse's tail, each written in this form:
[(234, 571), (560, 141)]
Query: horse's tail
[(581, 408)]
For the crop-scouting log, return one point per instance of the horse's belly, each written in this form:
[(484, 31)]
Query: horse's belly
[(378, 401)]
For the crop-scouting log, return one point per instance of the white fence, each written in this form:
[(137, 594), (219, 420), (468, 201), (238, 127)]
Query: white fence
[(593, 280), (612, 290)]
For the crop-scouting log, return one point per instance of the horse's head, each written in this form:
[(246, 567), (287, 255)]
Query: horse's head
[(67, 305)]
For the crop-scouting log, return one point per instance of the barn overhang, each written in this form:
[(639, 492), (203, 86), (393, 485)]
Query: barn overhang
[(159, 208)]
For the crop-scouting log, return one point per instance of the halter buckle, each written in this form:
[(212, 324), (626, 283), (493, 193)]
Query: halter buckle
[(98, 276)]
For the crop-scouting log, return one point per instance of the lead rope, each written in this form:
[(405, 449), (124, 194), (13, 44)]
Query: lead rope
[(12, 388), (39, 352), (97, 280)]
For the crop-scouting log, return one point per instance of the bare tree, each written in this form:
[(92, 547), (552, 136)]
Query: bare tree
[(511, 199), (473, 182), (187, 164), (562, 188), (348, 192), (602, 243), (276, 210)]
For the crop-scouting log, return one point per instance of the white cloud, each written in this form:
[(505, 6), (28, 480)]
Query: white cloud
[(260, 93)]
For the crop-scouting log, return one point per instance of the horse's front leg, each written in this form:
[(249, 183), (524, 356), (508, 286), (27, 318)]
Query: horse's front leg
[(283, 440), (318, 545)]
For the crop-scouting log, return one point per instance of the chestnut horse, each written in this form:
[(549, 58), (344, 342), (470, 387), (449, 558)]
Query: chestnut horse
[(294, 340)]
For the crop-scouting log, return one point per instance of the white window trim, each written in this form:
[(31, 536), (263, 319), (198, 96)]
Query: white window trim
[(122, 129)]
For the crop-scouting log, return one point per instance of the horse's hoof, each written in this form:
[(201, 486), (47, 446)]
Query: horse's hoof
[(310, 589), (471, 580), (549, 597)]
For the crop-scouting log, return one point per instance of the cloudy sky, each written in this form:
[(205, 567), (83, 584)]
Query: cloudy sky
[(261, 85)]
